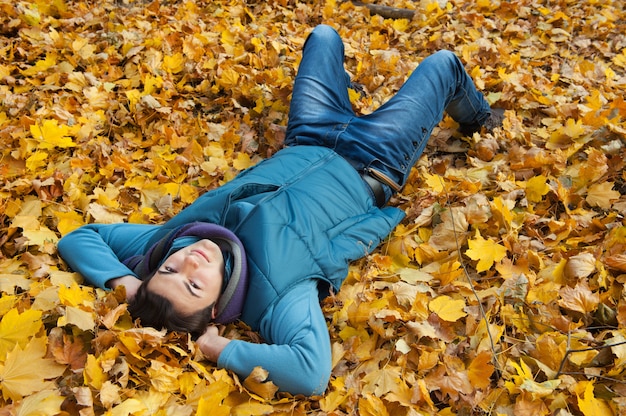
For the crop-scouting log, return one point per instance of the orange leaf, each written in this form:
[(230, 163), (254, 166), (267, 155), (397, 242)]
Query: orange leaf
[(480, 369)]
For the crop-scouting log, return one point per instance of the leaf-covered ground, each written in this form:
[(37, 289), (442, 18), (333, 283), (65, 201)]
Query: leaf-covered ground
[(501, 293)]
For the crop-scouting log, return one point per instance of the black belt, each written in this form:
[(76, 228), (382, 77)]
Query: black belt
[(376, 187)]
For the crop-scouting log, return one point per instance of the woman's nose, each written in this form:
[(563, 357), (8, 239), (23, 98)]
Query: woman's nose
[(192, 262)]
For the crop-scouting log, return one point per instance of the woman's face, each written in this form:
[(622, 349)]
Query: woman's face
[(191, 278)]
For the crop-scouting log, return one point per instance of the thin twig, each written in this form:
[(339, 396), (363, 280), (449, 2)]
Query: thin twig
[(578, 373), (570, 351)]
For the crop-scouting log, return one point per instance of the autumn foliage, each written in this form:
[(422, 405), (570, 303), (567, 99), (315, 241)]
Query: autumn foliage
[(501, 293)]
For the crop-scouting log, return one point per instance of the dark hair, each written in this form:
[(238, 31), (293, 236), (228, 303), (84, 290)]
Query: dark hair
[(158, 312)]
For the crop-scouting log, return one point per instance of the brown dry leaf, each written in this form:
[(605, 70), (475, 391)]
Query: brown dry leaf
[(258, 383), (450, 233), (616, 261), (580, 266), (602, 195), (66, 350), (579, 298)]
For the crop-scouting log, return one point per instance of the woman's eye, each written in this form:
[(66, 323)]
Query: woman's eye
[(170, 269), (195, 286)]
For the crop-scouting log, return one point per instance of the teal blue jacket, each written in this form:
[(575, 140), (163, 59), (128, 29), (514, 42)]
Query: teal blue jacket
[(303, 215)]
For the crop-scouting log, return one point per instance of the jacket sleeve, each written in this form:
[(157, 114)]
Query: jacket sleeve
[(298, 353), (96, 251)]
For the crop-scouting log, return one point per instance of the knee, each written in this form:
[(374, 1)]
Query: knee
[(325, 33), (444, 59)]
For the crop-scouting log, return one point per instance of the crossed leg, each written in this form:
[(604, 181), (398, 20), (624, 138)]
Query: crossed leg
[(393, 137)]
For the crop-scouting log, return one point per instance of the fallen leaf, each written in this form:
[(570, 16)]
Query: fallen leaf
[(590, 405), (17, 329), (27, 371), (258, 383), (579, 298), (42, 403), (602, 195), (448, 309), (487, 252)]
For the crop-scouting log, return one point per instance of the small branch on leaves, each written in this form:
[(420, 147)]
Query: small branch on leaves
[(571, 351), (386, 11)]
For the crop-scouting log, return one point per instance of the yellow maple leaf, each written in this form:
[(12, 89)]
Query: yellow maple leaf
[(370, 405), (212, 399), (590, 405), (448, 272), (164, 377), (401, 25), (573, 128), (93, 373), (228, 78), (175, 63), (43, 403), (17, 329), (485, 251), (76, 295), (435, 182), (41, 66), (128, 407), (242, 161), (448, 309), (523, 373), (68, 221), (134, 97), (184, 191), (8, 283), (602, 195), (36, 161), (382, 381), (536, 188), (150, 84), (257, 382), (77, 317), (40, 237), (354, 95), (503, 208), (252, 407), (51, 135), (26, 371)]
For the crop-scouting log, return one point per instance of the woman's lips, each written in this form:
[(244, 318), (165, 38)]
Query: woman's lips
[(201, 254)]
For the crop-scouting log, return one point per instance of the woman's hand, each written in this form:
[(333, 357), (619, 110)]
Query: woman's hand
[(130, 282), (211, 343)]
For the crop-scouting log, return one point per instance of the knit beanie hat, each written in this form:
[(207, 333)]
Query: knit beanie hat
[(235, 287)]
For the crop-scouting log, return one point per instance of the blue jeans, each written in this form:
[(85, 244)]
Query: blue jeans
[(393, 137)]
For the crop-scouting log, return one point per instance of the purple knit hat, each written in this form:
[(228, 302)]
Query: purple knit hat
[(231, 301)]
